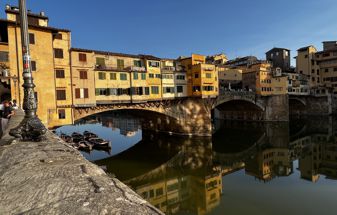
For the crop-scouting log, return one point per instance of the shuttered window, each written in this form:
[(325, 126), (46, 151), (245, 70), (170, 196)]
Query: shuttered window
[(60, 73), (58, 53), (81, 93), (82, 57), (101, 76), (60, 94), (33, 63), (83, 74), (120, 64), (31, 38)]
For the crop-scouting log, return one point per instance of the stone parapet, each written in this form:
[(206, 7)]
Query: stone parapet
[(50, 177)]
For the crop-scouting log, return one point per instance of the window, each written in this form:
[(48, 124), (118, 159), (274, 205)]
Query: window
[(120, 64), (81, 93), (31, 38), (168, 89), (58, 36), (83, 74), (151, 75), (326, 70), (196, 75), (60, 95), (306, 56), (101, 92), (33, 63), (208, 75), (101, 76), (123, 77), (100, 61), (159, 192), (147, 91), (154, 64), (143, 76), (4, 56), (196, 88), (157, 75), (135, 75), (137, 63), (180, 89), (154, 90), (335, 69), (113, 76), (180, 77), (62, 114), (208, 88), (82, 57), (58, 53), (59, 73)]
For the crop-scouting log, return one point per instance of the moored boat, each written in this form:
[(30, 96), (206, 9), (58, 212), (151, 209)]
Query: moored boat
[(66, 138), (88, 134), (77, 137), (99, 142)]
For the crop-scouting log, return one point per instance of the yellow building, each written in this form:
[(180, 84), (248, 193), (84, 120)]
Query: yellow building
[(305, 64), (202, 78), (168, 70), (153, 69), (83, 78), (4, 65), (49, 54), (259, 78), (229, 78)]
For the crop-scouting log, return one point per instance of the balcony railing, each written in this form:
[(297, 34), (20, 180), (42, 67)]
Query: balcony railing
[(168, 68), (136, 68)]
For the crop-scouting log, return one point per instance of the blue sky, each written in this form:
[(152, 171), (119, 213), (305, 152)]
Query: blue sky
[(169, 28)]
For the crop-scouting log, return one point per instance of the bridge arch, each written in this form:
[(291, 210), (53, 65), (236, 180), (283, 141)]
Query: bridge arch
[(192, 116), (296, 99)]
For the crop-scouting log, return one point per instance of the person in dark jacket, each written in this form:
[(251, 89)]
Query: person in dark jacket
[(7, 113)]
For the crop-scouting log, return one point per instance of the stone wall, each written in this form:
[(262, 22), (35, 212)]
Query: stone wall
[(50, 177)]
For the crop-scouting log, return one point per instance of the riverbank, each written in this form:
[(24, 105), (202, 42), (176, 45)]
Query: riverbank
[(49, 177)]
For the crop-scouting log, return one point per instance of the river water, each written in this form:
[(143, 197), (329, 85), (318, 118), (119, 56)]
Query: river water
[(245, 168)]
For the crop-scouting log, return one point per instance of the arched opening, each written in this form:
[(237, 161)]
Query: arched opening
[(148, 119), (239, 110), (297, 107), (5, 92)]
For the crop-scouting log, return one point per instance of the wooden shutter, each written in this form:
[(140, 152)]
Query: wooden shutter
[(86, 93), (77, 93)]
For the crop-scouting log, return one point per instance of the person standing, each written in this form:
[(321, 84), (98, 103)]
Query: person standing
[(7, 113)]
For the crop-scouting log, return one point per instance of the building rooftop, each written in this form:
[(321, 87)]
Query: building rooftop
[(15, 10), (276, 48), (47, 28), (304, 48), (147, 57)]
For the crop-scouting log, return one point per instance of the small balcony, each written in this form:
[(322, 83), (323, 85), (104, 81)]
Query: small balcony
[(168, 69), (136, 68)]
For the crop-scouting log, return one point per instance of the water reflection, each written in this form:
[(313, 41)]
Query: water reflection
[(245, 168)]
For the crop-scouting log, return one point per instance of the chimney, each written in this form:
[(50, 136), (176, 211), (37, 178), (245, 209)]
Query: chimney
[(42, 13), (8, 7)]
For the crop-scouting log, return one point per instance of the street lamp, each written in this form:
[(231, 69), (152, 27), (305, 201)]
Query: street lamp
[(31, 127)]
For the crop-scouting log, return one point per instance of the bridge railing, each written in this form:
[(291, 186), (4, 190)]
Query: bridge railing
[(247, 95)]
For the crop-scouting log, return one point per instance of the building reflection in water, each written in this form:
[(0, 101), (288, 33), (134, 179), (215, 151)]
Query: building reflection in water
[(184, 175)]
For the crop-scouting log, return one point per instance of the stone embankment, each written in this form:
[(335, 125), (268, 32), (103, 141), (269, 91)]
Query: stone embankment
[(51, 178)]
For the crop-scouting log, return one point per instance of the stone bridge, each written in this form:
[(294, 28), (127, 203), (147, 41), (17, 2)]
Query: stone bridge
[(313, 104), (193, 116), (242, 105), (189, 116)]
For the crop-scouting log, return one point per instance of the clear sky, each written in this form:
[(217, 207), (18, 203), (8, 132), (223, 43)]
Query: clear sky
[(170, 28)]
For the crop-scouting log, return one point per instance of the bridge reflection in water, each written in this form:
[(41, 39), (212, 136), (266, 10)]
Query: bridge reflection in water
[(182, 175)]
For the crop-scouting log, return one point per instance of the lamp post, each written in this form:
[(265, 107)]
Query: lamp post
[(31, 128)]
